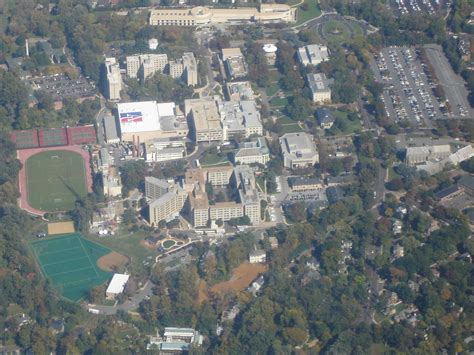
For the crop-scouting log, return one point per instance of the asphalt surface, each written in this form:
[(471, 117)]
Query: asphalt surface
[(129, 305), (452, 83), (406, 85)]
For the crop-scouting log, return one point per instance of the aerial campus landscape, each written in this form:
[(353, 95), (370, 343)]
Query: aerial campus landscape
[(215, 177)]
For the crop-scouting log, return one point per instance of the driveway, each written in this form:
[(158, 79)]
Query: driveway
[(129, 305)]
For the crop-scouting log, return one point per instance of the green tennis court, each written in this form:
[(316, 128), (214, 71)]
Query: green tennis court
[(70, 263), (55, 180)]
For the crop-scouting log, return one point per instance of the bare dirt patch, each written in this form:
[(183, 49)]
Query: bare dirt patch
[(242, 277), (111, 261), (60, 228)]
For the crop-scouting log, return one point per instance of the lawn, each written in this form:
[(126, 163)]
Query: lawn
[(130, 244), (278, 102), (272, 89), (211, 158), (70, 262), (337, 31), (343, 125), (55, 180), (291, 128), (312, 12), (168, 244)]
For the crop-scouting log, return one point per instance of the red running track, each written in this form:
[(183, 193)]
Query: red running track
[(24, 154)]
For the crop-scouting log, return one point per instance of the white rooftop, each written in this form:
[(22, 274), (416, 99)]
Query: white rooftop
[(269, 48), (117, 284), (138, 116)]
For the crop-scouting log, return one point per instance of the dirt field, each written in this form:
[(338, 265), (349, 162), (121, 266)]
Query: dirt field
[(111, 260), (241, 278), (60, 228)]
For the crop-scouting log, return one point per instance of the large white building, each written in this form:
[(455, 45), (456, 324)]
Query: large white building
[(199, 16), (299, 150), (163, 149), (240, 119), (435, 158), (313, 54), (319, 86), (116, 286), (113, 79), (147, 120)]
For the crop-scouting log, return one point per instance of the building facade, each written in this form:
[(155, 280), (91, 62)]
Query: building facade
[(113, 79), (299, 150), (200, 16)]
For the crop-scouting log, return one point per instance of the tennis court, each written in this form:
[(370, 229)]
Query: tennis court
[(70, 263), (55, 180)]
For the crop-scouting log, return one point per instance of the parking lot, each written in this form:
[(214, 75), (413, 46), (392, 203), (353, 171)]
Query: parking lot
[(453, 84), (405, 7), (408, 91), (61, 86)]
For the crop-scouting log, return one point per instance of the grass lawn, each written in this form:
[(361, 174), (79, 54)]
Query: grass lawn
[(128, 244), (343, 125), (272, 89), (55, 180), (337, 31), (285, 120), (168, 244), (312, 12), (291, 128), (210, 159), (278, 102), (392, 174)]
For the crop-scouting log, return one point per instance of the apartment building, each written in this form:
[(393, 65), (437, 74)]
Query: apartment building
[(113, 79), (200, 15), (144, 66), (167, 206), (226, 211), (219, 175), (155, 188)]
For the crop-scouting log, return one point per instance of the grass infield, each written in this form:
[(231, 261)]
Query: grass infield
[(70, 263), (55, 180)]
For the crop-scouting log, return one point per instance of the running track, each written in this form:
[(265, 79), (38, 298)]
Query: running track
[(24, 154)]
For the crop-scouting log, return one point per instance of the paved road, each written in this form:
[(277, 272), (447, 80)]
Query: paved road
[(129, 305)]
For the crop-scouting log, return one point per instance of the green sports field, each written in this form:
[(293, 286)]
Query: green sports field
[(55, 180), (70, 263)]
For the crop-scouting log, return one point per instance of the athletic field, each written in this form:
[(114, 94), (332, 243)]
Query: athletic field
[(55, 180), (70, 263)]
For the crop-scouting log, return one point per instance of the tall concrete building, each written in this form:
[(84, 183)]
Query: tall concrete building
[(167, 206), (113, 79), (205, 118), (155, 188), (144, 66), (185, 68)]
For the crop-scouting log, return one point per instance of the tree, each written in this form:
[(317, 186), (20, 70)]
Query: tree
[(298, 108), (133, 175)]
